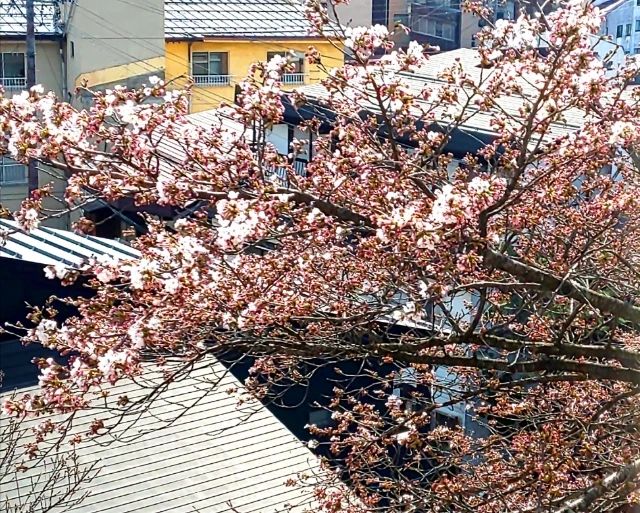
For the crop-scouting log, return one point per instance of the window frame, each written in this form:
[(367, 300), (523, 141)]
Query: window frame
[(202, 61), (297, 76), (6, 162), (2, 65), (619, 30), (627, 29), (638, 25)]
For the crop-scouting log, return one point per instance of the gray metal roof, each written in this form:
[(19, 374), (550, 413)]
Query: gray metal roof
[(13, 19), (49, 246), (195, 449), (201, 19), (477, 121)]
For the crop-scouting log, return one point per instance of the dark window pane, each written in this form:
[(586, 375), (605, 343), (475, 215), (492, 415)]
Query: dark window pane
[(271, 55), (13, 65), (200, 63), (218, 63), (380, 12)]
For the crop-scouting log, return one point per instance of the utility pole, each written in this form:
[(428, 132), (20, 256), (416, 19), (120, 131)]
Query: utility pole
[(32, 175)]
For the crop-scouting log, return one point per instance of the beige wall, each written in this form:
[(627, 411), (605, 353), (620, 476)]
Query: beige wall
[(48, 62), (11, 196), (114, 41), (397, 7), (468, 28), (49, 74)]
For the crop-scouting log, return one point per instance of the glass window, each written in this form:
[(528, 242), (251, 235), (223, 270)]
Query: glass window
[(210, 63), (380, 12), (320, 418), (12, 172), (446, 420), (637, 25), (627, 31), (440, 29), (619, 29), (298, 62), (12, 65)]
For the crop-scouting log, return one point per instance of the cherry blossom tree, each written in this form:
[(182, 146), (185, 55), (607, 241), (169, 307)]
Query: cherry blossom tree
[(54, 474), (518, 273)]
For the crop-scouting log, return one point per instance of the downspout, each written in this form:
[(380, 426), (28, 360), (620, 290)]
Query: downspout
[(189, 72), (63, 65)]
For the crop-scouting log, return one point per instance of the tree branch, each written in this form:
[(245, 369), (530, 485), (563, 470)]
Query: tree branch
[(547, 281), (582, 503)]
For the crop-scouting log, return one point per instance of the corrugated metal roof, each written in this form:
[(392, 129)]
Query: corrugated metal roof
[(195, 449), (49, 246), (13, 20), (201, 19)]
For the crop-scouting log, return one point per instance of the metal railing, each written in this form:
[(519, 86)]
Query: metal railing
[(293, 78), (280, 173), (13, 174), (212, 80), (13, 85)]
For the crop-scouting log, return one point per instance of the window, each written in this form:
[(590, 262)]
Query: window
[(627, 31), (210, 68), (619, 30), (12, 71), (446, 420), (400, 18), (440, 29), (637, 25), (320, 418), (380, 12), (296, 76), (12, 172)]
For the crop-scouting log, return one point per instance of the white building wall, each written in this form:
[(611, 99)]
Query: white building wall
[(621, 24)]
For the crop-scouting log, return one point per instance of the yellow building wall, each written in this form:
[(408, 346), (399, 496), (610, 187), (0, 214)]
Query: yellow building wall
[(241, 55)]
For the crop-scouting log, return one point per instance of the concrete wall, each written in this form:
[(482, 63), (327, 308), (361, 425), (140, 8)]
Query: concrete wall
[(355, 14), (12, 195), (397, 7), (114, 41), (241, 55)]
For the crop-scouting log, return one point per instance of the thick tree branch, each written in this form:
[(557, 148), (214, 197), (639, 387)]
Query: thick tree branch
[(547, 281), (592, 370), (582, 503)]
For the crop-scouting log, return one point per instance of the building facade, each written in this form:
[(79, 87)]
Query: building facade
[(216, 42), (443, 23), (50, 48), (88, 43), (622, 23)]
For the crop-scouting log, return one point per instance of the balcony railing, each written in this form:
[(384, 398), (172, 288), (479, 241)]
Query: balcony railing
[(293, 78), (13, 174), (13, 85), (212, 80), (280, 173)]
